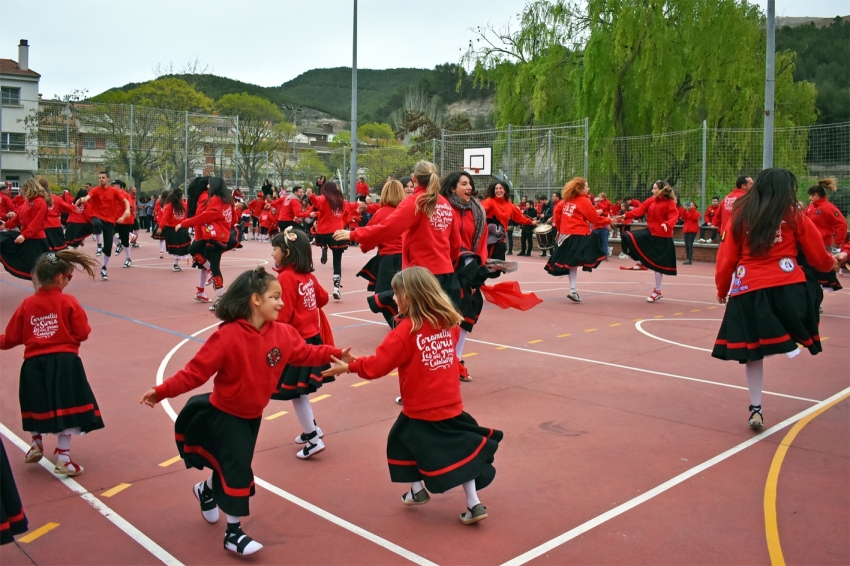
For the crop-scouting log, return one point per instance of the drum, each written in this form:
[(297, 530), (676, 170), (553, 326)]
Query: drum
[(545, 236)]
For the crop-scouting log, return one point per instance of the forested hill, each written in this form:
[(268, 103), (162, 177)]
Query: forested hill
[(379, 92)]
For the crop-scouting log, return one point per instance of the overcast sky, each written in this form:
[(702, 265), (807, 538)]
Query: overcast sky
[(99, 44)]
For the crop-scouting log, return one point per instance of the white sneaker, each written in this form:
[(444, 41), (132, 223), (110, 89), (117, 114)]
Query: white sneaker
[(337, 294), (235, 540), (623, 256), (702, 240), (311, 449), (204, 496), (302, 438), (573, 296), (103, 274)]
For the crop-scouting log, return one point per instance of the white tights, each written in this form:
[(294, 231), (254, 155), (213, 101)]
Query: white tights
[(755, 380), (658, 277), (304, 411), (573, 277)]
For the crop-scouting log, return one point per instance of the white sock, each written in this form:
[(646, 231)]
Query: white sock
[(658, 277), (417, 486), (176, 259), (105, 260), (64, 443), (755, 380), (207, 265), (231, 519), (471, 495), (573, 277), (460, 342), (304, 411), (127, 252), (99, 238), (161, 246), (202, 279), (209, 482)]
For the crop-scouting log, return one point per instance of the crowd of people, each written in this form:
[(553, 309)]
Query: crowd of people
[(438, 248)]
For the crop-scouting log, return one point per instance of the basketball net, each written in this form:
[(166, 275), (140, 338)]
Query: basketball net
[(476, 170)]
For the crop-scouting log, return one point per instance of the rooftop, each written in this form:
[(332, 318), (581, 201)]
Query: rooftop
[(10, 67)]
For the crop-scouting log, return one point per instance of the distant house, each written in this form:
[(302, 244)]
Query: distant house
[(19, 88), (320, 138)]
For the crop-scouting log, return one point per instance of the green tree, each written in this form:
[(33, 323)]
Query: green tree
[(309, 167), (376, 134)]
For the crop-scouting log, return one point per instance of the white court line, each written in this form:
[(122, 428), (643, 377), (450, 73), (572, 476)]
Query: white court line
[(669, 484), (382, 542), (713, 303), (639, 326), (609, 364), (835, 316), (116, 519)]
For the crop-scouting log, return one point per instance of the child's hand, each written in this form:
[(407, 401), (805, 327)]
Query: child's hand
[(337, 367), (346, 356), (342, 235), (149, 398)]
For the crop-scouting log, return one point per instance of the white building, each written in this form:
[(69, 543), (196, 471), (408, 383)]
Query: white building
[(19, 88)]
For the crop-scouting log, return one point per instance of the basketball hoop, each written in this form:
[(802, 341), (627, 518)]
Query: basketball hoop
[(475, 170)]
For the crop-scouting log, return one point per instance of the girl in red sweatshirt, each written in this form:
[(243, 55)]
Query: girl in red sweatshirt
[(219, 430), (19, 250), (433, 440), (333, 213), (176, 241), (501, 209), (55, 395), (79, 226), (303, 299), (691, 217), (769, 307), (653, 246)]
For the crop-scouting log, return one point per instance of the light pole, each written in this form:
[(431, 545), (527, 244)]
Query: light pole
[(353, 176), (769, 80)]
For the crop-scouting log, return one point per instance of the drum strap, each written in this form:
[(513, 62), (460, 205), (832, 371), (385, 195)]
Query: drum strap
[(562, 238)]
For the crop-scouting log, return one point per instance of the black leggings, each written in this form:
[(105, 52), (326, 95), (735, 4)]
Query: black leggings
[(527, 241), (337, 260), (510, 239), (689, 245), (108, 230), (211, 252)]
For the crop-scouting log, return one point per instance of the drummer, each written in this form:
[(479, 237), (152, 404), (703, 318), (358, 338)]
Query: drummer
[(527, 231), (499, 206), (578, 246)]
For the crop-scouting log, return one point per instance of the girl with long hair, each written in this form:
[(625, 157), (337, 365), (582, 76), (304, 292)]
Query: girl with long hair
[(500, 209), (432, 432), (156, 228), (19, 250), (79, 227), (333, 211), (769, 307), (176, 241), (53, 229), (653, 246)]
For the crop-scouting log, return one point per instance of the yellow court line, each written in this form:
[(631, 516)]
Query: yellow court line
[(559, 336), (469, 355), (770, 525), (590, 330), (709, 308), (319, 398), (676, 313), (615, 324), (276, 415), (695, 310), (38, 532), (659, 316), (117, 489), (505, 347), (533, 341), (824, 338), (394, 373), (169, 462), (358, 384)]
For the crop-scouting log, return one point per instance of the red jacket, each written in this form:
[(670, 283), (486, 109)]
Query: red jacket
[(157, 212), (427, 369), (6, 206), (267, 219), (217, 218), (830, 223), (81, 214), (432, 243), (361, 188), (691, 217), (247, 364), (658, 212), (289, 208), (724, 211), (302, 298), (48, 322), (746, 273), (256, 205), (503, 210), (107, 203), (32, 216), (711, 213), (55, 212), (575, 215), (391, 246), (169, 218), (330, 221), (466, 226), (131, 218)]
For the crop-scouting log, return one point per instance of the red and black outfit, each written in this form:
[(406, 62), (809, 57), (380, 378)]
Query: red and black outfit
[(53, 230), (724, 211), (219, 430), (380, 270), (499, 211), (256, 207), (433, 440), (78, 227), (125, 228), (54, 393), (212, 223), (176, 241), (771, 306), (330, 221), (709, 221), (289, 212), (19, 259), (13, 520), (156, 230), (690, 229), (830, 223), (653, 246), (472, 273), (302, 298), (578, 246), (107, 206)]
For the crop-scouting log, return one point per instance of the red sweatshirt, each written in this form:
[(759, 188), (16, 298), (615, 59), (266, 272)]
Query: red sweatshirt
[(256, 206), (60, 207), (6, 206), (169, 218), (658, 212), (330, 221), (267, 219), (216, 218), (503, 210), (107, 203), (131, 218), (829, 222), (81, 214), (724, 211), (246, 363), (48, 322), (361, 188), (157, 212), (432, 243), (388, 247), (427, 369), (466, 225), (691, 217), (302, 298), (711, 213), (778, 267), (32, 215), (575, 215)]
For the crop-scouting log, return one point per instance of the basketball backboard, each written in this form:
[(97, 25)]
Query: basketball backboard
[(478, 160)]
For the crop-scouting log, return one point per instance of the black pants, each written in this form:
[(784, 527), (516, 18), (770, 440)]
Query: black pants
[(123, 231), (211, 252), (689, 244), (144, 223), (337, 261), (526, 241), (510, 239), (108, 230), (703, 229)]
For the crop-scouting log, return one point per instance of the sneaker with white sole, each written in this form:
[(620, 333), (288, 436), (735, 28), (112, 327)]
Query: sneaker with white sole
[(128, 262), (118, 249), (654, 297), (398, 401), (103, 274), (420, 498), (573, 296), (312, 448), (176, 267), (235, 540), (623, 256), (337, 294), (702, 240), (477, 513), (204, 495), (756, 418), (304, 438), (99, 251)]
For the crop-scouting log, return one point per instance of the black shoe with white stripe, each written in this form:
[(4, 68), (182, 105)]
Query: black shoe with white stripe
[(237, 541), (204, 495)]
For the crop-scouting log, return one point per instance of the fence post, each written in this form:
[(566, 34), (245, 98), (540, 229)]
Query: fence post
[(266, 176), (344, 162), (130, 155), (509, 153), (704, 156), (67, 145), (586, 144), (442, 150), (186, 154), (549, 161), (434, 149), (236, 155)]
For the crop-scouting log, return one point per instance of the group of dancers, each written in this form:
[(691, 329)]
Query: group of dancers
[(436, 254)]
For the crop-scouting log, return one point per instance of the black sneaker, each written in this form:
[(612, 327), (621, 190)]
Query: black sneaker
[(99, 251), (410, 498), (119, 249), (756, 418), (103, 274), (128, 262), (204, 495), (237, 541), (324, 258)]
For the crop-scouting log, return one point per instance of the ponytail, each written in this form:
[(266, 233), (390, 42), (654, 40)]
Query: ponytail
[(823, 186), (426, 176), (51, 264)]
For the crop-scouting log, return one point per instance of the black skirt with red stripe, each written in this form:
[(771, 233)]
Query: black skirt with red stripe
[(19, 259), (471, 275), (55, 395), (155, 234), (76, 232), (176, 241), (442, 454), (583, 251), (208, 437), (654, 252), (13, 521), (770, 321), (55, 239), (296, 381), (369, 272), (328, 240)]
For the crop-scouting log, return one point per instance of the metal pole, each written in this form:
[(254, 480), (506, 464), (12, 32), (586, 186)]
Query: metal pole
[(442, 150), (186, 154), (434, 150), (586, 140), (344, 161), (236, 155), (267, 167), (510, 176), (549, 160), (67, 145), (132, 182), (704, 155), (769, 80), (353, 174)]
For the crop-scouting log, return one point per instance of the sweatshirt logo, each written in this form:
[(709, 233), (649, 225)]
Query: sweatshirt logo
[(786, 264), (569, 209), (442, 217), (44, 326), (308, 292), (438, 350), (273, 357)]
